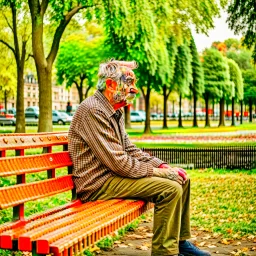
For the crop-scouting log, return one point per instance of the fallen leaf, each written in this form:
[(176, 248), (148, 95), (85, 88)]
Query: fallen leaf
[(238, 243), (134, 236), (130, 244), (149, 235), (117, 242), (202, 244), (245, 249), (224, 241), (211, 246), (122, 245), (206, 237), (142, 247)]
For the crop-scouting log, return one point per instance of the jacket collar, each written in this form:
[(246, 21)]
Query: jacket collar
[(109, 110)]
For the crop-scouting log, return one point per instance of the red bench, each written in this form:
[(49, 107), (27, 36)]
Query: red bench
[(63, 230)]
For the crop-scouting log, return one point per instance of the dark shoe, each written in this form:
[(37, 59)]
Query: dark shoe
[(188, 249)]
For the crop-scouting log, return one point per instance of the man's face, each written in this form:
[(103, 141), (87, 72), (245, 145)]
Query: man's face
[(126, 89)]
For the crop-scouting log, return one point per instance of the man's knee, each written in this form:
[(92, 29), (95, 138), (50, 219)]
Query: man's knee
[(172, 188)]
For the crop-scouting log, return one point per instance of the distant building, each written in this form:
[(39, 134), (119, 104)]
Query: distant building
[(60, 95)]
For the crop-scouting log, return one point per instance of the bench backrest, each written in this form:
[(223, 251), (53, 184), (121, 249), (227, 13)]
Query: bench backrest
[(16, 159)]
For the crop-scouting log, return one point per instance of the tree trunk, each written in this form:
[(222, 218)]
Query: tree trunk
[(147, 129), (127, 110), (45, 99), (180, 117), (250, 110), (233, 112), (20, 110), (165, 107), (195, 118), (222, 116), (213, 108), (241, 116), (207, 120), (5, 101)]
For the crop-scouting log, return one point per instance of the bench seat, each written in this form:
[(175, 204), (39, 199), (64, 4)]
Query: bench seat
[(63, 230)]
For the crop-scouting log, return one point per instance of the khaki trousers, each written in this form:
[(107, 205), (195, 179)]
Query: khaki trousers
[(171, 212)]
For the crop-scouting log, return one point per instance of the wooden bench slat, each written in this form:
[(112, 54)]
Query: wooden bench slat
[(93, 232), (18, 194), (6, 239), (43, 243), (33, 163), (38, 140), (88, 209)]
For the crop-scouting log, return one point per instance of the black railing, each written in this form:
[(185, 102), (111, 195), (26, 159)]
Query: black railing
[(223, 157)]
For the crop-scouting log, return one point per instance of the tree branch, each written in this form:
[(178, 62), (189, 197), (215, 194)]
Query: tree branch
[(10, 47), (44, 6), (29, 55), (59, 31), (7, 21)]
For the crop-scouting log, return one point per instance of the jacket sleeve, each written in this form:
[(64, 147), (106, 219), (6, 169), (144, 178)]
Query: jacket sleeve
[(133, 151), (98, 133)]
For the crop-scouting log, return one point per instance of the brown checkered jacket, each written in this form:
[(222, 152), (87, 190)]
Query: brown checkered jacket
[(100, 150)]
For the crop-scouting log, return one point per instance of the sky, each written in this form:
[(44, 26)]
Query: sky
[(219, 33)]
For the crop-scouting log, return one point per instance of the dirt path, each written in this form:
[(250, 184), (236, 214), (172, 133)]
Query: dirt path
[(138, 243)]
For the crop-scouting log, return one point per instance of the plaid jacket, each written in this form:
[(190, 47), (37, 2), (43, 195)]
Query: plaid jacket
[(99, 148)]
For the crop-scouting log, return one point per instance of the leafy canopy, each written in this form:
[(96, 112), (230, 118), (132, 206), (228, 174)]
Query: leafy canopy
[(216, 74), (236, 78)]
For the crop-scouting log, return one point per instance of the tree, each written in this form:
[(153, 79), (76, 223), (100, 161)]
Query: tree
[(237, 80), (7, 76), (232, 44), (18, 30), (78, 62), (242, 19), (168, 87), (182, 73), (197, 84), (242, 58), (216, 77), (249, 77)]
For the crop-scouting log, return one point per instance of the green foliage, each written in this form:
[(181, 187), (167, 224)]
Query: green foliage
[(78, 60), (242, 58), (249, 77), (216, 74), (183, 69), (242, 19), (236, 78), (232, 44), (197, 84)]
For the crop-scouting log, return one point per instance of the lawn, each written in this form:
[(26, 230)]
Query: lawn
[(137, 128), (222, 201)]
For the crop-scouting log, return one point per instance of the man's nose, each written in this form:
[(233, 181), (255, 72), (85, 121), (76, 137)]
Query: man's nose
[(134, 89)]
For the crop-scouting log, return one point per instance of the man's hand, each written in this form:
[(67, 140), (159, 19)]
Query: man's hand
[(181, 171), (170, 174)]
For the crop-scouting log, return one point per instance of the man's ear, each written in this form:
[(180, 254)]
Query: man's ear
[(110, 85)]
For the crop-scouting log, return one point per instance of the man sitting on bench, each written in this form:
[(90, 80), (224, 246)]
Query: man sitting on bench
[(107, 165)]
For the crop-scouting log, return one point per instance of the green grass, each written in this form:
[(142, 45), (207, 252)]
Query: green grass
[(224, 202), (156, 128)]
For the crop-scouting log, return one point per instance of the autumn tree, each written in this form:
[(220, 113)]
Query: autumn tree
[(237, 80), (15, 35), (197, 83)]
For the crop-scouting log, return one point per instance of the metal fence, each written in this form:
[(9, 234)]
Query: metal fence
[(223, 157)]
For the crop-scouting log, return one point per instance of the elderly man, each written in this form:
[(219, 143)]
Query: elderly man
[(107, 165)]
